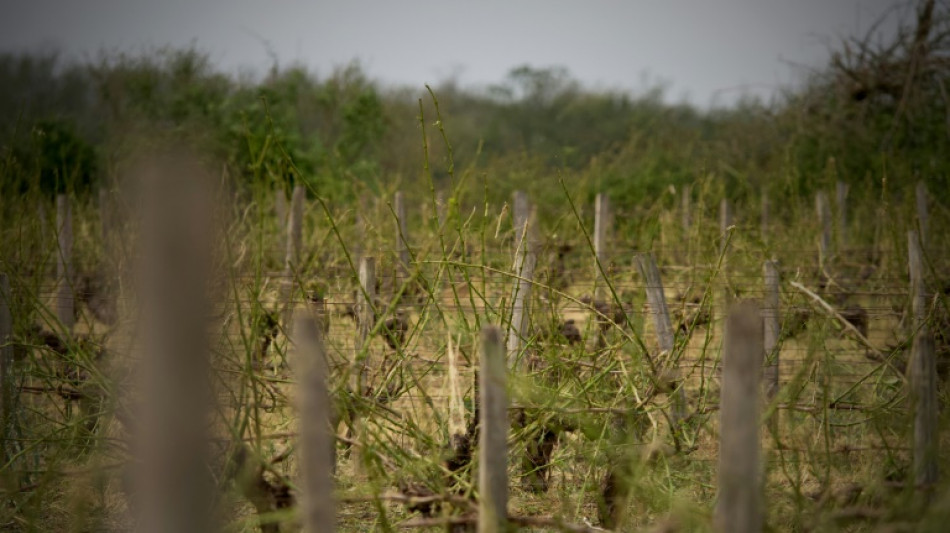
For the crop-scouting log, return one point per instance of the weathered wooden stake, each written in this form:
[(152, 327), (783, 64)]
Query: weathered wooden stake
[(43, 222), (923, 372), (294, 240), (492, 440), (772, 326), (316, 447), (280, 207), (841, 197), (740, 483), (402, 240), (173, 484), (442, 208), (653, 285), (65, 299), (824, 219), (602, 224), (365, 298), (525, 260), (685, 209), (106, 223), (725, 221), (923, 215), (295, 226), (7, 384), (456, 418)]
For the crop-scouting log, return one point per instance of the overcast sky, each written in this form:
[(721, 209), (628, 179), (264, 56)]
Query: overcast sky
[(708, 51)]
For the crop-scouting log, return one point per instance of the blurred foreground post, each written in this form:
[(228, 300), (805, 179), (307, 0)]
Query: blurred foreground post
[(923, 372), (172, 485), (316, 444), (740, 490), (492, 440), (65, 304)]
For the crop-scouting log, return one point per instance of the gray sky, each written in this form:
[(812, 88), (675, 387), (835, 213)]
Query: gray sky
[(707, 50)]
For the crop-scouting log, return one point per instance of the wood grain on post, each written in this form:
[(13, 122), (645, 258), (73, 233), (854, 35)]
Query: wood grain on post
[(656, 298), (602, 224), (740, 486), (493, 437), (173, 484), (7, 384), (823, 210), (316, 444), (524, 264), (402, 239), (923, 214), (841, 197), (923, 372), (65, 299)]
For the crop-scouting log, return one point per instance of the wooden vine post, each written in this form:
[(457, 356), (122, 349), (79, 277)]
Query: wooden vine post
[(65, 299), (525, 260), (366, 320), (493, 438), (739, 509), (841, 197), (402, 240), (725, 221), (602, 224), (7, 384), (923, 372), (771, 327), (171, 441), (923, 214), (316, 440), (823, 210), (653, 285)]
